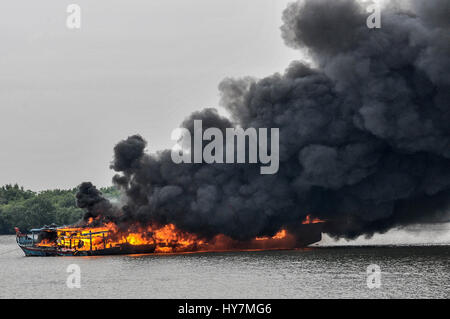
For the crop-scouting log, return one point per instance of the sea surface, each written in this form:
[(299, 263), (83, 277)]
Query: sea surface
[(318, 272)]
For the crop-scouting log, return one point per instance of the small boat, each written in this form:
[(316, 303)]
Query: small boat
[(61, 241)]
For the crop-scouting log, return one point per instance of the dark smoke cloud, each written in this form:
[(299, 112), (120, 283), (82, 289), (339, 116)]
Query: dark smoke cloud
[(364, 135), (127, 155), (91, 200)]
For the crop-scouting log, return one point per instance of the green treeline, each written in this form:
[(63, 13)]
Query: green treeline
[(27, 209)]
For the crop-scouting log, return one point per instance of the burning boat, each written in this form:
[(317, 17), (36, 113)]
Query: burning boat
[(61, 241), (109, 239)]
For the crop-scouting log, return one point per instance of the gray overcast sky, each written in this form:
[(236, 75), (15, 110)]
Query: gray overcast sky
[(68, 96)]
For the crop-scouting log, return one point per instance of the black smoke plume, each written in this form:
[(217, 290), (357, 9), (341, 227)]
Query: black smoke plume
[(92, 201), (364, 133)]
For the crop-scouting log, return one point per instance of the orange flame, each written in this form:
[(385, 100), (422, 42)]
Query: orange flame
[(310, 220), (165, 239), (280, 235)]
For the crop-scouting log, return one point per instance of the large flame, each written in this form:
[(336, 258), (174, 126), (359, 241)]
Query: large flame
[(165, 239)]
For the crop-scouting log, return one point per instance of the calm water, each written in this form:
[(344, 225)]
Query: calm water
[(335, 272)]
